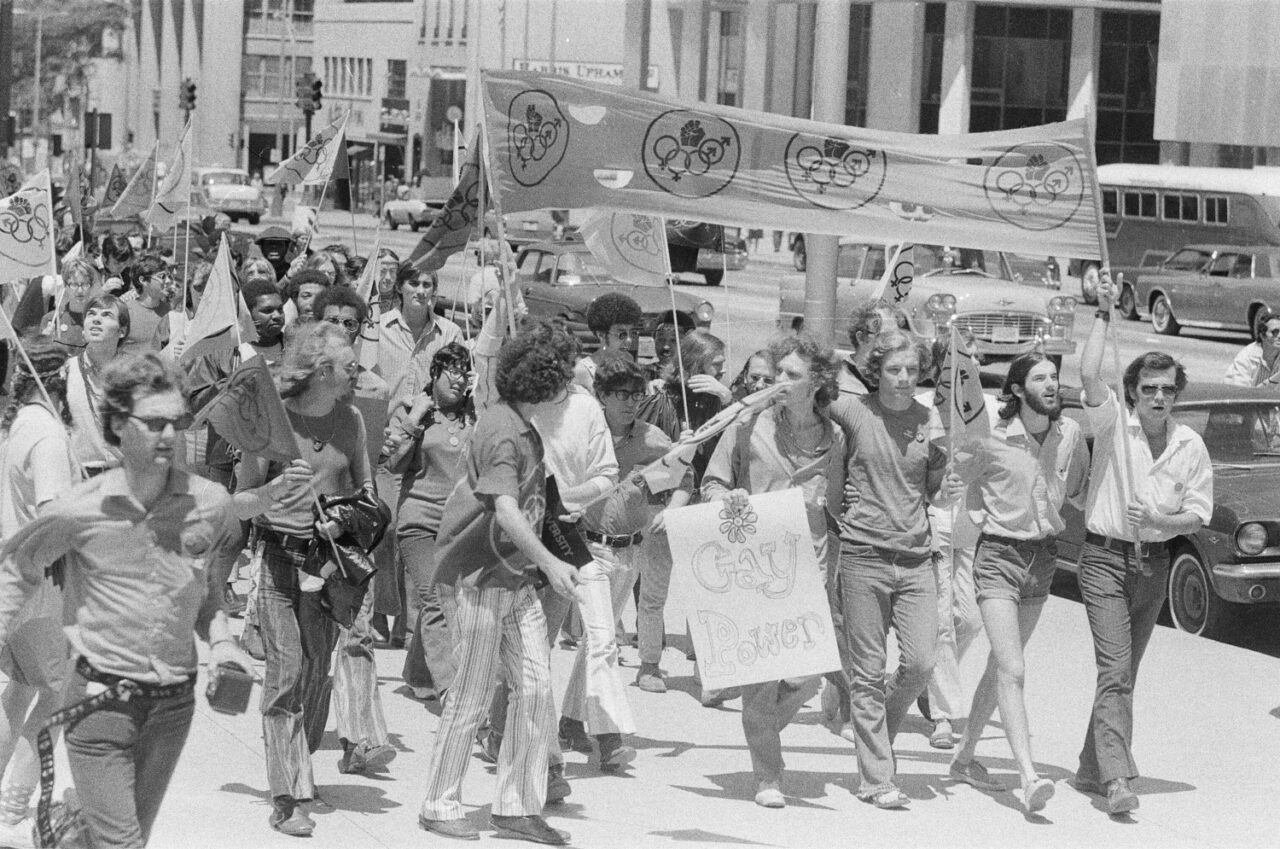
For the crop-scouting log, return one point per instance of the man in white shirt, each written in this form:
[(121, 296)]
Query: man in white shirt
[(1151, 481)]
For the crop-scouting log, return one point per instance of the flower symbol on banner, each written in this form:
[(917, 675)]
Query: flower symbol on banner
[(1035, 186), (10, 179), (538, 134), (690, 154), (834, 173), (738, 522)]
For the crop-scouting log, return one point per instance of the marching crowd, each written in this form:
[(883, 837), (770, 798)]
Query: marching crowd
[(442, 457)]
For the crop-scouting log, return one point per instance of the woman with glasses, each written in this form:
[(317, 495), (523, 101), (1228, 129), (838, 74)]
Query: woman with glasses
[(426, 450), (107, 325), (1258, 363), (757, 373), (316, 380), (65, 323), (791, 444)]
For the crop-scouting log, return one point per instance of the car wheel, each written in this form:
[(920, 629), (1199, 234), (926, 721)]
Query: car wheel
[(714, 276), (415, 225), (798, 256), (254, 219), (1193, 604), (392, 224), (1089, 283), (1162, 319), (1128, 305)]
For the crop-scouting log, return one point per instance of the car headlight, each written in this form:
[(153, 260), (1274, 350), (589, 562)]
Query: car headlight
[(940, 309), (1251, 538), (705, 312), (1062, 316)]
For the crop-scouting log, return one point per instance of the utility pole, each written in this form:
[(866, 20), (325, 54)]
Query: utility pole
[(288, 10), (35, 104), (6, 66)]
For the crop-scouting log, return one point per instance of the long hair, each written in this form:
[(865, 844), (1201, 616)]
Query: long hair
[(698, 348), (821, 359), (891, 342), (1011, 404), (48, 357), (307, 351)]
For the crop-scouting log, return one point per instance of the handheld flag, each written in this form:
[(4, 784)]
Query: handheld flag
[(173, 197), (136, 196), (115, 187), (899, 271), (452, 226), (367, 344), (958, 398), (26, 231), (632, 246), (214, 326), (314, 164), (249, 414)]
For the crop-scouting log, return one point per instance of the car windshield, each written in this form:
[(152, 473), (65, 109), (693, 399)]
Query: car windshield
[(225, 178), (584, 265), (1237, 434)]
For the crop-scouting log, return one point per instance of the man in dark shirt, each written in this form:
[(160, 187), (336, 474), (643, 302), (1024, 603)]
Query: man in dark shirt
[(489, 551)]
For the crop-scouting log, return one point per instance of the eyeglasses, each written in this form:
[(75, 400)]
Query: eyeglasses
[(157, 424), (350, 368), (454, 374), (1275, 331), (624, 395), (79, 284), (351, 324), (1149, 391), (760, 379)]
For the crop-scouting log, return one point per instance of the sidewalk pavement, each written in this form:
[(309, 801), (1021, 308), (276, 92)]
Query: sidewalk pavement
[(1206, 732)]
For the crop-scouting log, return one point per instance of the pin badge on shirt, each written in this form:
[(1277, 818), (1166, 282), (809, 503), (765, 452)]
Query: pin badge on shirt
[(1177, 487)]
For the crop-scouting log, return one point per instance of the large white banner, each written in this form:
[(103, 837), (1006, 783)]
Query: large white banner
[(749, 584), (558, 142)]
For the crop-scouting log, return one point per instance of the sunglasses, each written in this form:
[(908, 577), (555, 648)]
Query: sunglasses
[(1149, 391), (351, 324), (157, 424)]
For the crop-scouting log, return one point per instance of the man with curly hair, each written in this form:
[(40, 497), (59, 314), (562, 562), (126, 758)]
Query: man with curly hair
[(489, 550), (615, 320)]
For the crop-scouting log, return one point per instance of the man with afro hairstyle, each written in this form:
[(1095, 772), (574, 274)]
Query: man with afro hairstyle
[(615, 320)]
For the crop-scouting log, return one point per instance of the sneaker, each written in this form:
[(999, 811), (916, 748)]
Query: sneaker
[(613, 755), (770, 795), (649, 679), (942, 736), (1037, 794), (975, 775), (423, 694), (573, 736), (1120, 797), (361, 757), (558, 787)]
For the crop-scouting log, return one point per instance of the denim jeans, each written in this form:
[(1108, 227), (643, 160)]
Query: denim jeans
[(595, 693), (1123, 602), (881, 588), (122, 757), (357, 705), (298, 637), (429, 660), (655, 583), (767, 708)]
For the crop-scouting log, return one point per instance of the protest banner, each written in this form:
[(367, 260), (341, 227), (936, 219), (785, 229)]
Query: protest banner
[(751, 589), (249, 414), (314, 164), (451, 228), (27, 231), (560, 143), (633, 247)]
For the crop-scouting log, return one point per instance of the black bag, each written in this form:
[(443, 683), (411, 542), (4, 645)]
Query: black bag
[(563, 539), (363, 519)]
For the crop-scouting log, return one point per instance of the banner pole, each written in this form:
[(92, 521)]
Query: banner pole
[(675, 319), (504, 249), (44, 393)]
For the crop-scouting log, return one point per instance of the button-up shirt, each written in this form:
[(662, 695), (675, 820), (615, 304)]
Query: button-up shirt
[(1180, 479), (405, 362), (138, 581), (1250, 368), (1017, 484)]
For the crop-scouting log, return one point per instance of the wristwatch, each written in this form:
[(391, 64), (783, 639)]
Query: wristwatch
[(1105, 315)]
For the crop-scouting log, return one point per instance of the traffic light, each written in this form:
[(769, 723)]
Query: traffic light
[(302, 92), (187, 96), (317, 90)]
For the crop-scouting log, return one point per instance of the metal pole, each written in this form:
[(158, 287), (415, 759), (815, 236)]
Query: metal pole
[(831, 55), (554, 35), (280, 96), (35, 95)]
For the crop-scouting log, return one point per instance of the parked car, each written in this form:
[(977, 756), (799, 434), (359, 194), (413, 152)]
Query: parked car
[(976, 289), (1218, 286), (228, 190), (408, 212), (1234, 560), (1150, 262), (706, 249), (561, 279)]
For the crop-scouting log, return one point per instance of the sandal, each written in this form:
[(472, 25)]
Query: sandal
[(888, 798)]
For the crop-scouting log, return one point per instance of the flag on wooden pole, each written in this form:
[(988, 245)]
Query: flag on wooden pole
[(314, 163), (26, 231), (214, 326), (249, 414), (137, 194), (173, 197), (451, 228), (631, 245)]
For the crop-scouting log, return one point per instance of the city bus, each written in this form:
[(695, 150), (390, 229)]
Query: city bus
[(1152, 210)]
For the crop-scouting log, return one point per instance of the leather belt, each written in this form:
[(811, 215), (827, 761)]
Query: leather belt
[(1015, 542), (139, 688), (1119, 546), (613, 540), (288, 542)]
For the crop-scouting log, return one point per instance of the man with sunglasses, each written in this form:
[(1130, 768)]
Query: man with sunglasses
[(1131, 513), (615, 320)]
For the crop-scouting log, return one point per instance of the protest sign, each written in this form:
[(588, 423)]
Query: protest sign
[(752, 591)]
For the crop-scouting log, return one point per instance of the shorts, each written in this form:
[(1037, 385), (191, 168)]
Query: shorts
[(1017, 570)]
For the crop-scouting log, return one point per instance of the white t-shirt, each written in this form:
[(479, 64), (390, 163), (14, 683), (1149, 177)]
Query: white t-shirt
[(576, 440), (35, 466)]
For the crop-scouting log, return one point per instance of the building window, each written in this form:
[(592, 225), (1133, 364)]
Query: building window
[(935, 25), (855, 98), (1110, 202), (264, 76), (1181, 207), (1215, 210), (1021, 57), (732, 46), (303, 10), (347, 76), (1127, 88), (445, 22), (1140, 204), (397, 71)]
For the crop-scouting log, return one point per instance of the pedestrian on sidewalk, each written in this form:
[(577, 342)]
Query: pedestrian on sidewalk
[(792, 444), (1014, 483), (138, 544), (1151, 481)]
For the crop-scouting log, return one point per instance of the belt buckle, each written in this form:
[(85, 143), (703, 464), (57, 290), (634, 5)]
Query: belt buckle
[(1139, 550)]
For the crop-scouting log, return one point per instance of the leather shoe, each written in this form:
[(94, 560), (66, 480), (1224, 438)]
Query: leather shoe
[(613, 755), (1086, 785), (288, 818), (1120, 797), (532, 827), (573, 736), (459, 829), (558, 787)]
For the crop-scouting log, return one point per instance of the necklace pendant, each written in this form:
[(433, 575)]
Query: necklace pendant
[(317, 445), (453, 440)]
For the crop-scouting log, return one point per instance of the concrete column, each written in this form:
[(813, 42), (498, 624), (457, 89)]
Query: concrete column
[(757, 63), (830, 84), (957, 58), (781, 97), (897, 54), (802, 98), (1082, 79), (635, 55), (693, 45)]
